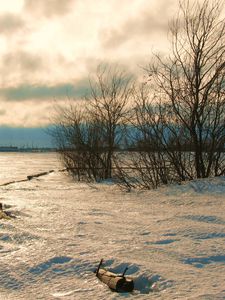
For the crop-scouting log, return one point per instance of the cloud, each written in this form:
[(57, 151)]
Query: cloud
[(10, 23), (152, 20), (2, 112), (22, 60), (30, 113), (49, 47), (48, 8), (26, 114), (28, 92)]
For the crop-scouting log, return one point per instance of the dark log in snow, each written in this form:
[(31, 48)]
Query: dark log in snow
[(8, 183), (116, 282), (29, 177), (3, 214)]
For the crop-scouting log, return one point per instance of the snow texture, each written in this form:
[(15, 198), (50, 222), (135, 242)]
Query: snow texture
[(172, 239)]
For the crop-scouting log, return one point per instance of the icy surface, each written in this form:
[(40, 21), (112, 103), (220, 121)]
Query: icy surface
[(172, 239)]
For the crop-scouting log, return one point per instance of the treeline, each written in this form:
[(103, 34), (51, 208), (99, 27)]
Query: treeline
[(173, 124)]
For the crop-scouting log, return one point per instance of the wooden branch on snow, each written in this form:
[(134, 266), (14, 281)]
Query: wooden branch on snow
[(3, 214), (29, 177), (116, 282)]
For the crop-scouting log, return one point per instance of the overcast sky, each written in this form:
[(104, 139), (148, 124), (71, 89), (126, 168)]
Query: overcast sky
[(49, 47)]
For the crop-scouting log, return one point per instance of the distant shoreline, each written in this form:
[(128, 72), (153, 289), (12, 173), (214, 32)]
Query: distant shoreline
[(10, 149)]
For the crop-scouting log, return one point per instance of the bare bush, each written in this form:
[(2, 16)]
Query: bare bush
[(178, 117), (188, 115), (180, 111), (190, 91), (87, 139)]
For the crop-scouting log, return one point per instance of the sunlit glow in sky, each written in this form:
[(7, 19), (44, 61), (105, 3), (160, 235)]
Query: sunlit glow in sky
[(48, 48)]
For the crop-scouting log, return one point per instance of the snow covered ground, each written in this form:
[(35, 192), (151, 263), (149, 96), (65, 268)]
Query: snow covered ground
[(172, 239)]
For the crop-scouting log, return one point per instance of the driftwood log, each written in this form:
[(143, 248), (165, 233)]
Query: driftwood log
[(116, 282), (3, 214), (29, 177)]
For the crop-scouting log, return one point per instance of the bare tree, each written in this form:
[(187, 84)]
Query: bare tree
[(111, 91), (179, 114), (153, 160), (190, 87), (180, 111), (88, 137)]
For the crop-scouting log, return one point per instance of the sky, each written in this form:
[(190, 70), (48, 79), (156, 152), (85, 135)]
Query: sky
[(48, 49)]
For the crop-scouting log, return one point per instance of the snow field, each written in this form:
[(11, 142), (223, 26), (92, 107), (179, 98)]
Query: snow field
[(172, 239)]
